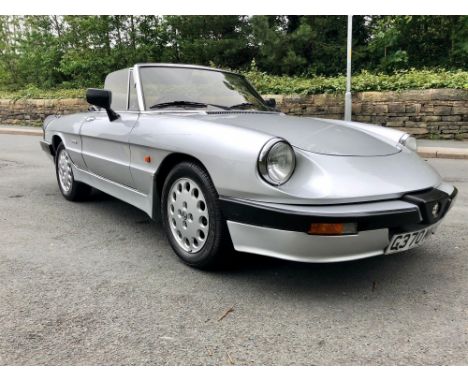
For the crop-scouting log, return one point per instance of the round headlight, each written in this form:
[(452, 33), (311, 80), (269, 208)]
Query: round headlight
[(409, 142), (277, 161)]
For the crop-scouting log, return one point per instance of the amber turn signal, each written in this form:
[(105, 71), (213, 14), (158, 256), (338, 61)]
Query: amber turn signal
[(332, 229), (147, 159)]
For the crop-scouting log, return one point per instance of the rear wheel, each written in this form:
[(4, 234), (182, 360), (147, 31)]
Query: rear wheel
[(192, 218), (70, 189)]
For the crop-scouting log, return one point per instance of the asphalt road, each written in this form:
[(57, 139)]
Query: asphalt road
[(97, 283)]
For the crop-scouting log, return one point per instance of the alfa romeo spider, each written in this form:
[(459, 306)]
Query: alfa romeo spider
[(200, 150)]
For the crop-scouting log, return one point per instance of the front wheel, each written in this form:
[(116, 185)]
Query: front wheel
[(70, 189), (192, 217)]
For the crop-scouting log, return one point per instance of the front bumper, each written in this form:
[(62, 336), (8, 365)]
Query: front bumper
[(279, 230)]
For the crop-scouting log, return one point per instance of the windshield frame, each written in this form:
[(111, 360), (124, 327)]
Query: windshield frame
[(139, 85)]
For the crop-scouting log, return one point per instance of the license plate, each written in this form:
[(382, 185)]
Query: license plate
[(406, 241)]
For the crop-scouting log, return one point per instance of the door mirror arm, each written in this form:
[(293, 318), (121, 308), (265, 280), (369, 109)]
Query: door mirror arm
[(112, 115), (102, 98)]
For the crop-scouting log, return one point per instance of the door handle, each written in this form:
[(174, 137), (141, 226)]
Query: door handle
[(89, 119)]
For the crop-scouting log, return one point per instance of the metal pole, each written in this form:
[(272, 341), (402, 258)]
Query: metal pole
[(348, 99)]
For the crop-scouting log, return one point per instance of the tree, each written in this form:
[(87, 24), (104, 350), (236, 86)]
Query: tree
[(79, 51), (419, 41), (222, 40)]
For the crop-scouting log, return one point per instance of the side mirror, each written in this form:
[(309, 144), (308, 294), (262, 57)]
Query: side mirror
[(102, 98), (271, 102)]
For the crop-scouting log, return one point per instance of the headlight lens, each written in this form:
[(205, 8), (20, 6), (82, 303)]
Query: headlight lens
[(409, 142), (277, 161)]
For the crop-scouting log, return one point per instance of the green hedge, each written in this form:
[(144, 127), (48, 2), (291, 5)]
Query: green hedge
[(365, 81), (34, 92), (269, 84)]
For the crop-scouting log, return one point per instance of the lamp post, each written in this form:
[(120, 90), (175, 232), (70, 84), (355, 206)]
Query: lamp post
[(348, 99)]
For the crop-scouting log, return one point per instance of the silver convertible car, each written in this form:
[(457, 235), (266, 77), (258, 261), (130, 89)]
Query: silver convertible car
[(200, 150)]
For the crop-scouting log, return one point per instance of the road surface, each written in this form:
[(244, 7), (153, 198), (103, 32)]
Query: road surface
[(97, 283)]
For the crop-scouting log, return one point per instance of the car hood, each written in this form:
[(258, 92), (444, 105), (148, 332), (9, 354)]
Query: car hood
[(319, 136)]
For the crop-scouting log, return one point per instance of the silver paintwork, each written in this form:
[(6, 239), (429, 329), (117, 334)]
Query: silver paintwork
[(299, 246), (337, 162), (117, 190), (188, 215)]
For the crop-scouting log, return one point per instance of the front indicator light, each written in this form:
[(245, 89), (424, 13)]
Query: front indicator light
[(332, 229)]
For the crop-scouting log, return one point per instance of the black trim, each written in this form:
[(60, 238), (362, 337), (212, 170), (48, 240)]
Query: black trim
[(427, 201), (454, 194), (46, 147), (252, 213), (446, 203)]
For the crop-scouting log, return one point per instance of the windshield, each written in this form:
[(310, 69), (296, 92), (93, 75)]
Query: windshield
[(173, 87)]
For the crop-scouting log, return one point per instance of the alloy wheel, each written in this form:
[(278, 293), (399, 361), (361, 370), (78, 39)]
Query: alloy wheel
[(65, 171), (188, 216)]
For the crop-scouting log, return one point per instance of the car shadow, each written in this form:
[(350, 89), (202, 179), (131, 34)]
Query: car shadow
[(369, 275)]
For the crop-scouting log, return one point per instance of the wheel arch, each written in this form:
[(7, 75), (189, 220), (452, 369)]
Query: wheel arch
[(168, 163), (56, 140)]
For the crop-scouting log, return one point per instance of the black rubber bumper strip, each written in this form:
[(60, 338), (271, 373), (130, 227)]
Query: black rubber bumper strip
[(283, 219)]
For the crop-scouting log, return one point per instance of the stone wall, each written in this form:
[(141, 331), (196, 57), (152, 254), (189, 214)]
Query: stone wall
[(433, 113), (32, 112)]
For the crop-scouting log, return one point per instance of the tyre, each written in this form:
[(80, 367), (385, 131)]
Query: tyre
[(192, 218), (70, 189)]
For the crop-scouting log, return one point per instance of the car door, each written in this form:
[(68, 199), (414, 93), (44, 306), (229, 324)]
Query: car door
[(105, 146)]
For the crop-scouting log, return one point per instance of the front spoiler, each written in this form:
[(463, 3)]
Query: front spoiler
[(280, 230)]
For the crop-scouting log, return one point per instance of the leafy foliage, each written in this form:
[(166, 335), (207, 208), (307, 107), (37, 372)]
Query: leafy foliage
[(364, 81), (36, 93), (78, 51), (418, 41), (271, 84)]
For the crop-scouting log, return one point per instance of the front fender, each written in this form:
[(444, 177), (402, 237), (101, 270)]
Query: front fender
[(228, 153)]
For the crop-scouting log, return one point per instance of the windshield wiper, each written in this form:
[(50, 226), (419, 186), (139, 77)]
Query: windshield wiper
[(182, 104), (241, 105)]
